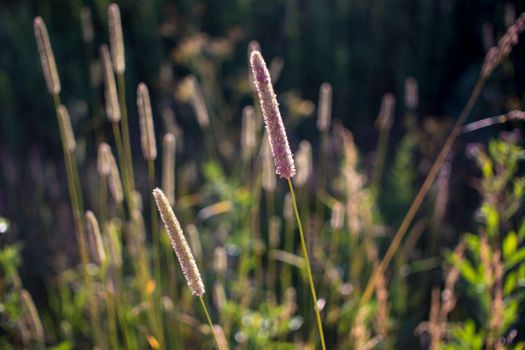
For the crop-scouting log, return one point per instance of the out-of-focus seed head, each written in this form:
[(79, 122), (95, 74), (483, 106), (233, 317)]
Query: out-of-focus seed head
[(95, 239), (115, 184), (497, 53), (147, 129), (282, 155), (248, 132), (411, 93), (86, 21), (268, 172), (168, 167), (116, 39), (179, 244), (324, 111), (65, 125), (110, 92), (103, 162), (304, 163), (386, 113), (198, 104), (46, 56), (220, 260), (338, 216)]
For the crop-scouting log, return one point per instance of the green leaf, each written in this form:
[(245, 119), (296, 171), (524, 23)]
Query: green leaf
[(517, 258), (510, 244)]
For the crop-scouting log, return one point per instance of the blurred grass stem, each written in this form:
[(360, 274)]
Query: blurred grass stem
[(425, 187), (125, 131)]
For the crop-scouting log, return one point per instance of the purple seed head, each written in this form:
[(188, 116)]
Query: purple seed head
[(282, 155)]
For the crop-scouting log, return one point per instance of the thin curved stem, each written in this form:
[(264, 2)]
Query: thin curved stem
[(209, 321), (308, 269), (425, 187)]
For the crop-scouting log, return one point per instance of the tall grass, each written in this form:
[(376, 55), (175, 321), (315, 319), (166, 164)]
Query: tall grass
[(240, 220)]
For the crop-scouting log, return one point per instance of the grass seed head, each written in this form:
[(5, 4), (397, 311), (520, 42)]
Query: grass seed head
[(110, 92), (46, 56), (324, 111), (95, 238), (282, 155), (115, 184), (103, 162), (115, 39), (65, 123), (179, 244), (147, 129), (168, 167)]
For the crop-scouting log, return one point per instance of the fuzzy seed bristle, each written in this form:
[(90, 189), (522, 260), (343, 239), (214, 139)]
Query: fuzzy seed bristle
[(47, 58), (110, 92), (147, 129), (65, 125), (95, 238), (324, 112), (168, 167), (282, 155), (116, 39), (179, 244)]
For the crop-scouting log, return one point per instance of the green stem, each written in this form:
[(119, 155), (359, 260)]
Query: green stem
[(75, 195), (425, 187), (125, 130), (156, 252), (209, 321), (308, 268), (382, 148), (122, 165)]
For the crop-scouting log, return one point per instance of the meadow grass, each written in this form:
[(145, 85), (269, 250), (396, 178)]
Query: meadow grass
[(241, 221)]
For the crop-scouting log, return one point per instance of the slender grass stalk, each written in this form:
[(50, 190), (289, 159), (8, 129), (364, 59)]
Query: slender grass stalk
[(493, 58), (205, 309), (116, 40), (75, 194), (308, 268), (32, 311), (183, 251), (125, 128), (423, 190), (154, 226)]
